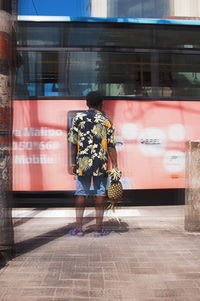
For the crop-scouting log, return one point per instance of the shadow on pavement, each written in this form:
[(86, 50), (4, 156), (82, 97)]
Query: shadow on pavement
[(113, 224), (3, 261), (22, 221)]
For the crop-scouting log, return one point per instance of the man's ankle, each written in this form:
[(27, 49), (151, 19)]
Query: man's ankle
[(79, 227), (98, 227)]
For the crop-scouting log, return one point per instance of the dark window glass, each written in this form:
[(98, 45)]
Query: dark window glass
[(88, 34), (179, 75), (181, 37), (74, 73), (36, 34), (33, 34)]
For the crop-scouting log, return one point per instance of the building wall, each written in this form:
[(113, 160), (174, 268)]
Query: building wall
[(138, 8), (185, 8), (153, 8), (99, 8)]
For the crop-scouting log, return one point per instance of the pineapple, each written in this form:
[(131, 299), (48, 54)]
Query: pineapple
[(115, 190)]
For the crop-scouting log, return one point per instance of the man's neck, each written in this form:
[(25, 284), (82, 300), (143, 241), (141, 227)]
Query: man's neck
[(96, 109)]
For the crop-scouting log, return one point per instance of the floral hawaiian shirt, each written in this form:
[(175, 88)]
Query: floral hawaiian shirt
[(93, 134)]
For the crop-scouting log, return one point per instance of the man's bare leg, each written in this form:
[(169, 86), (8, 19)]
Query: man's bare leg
[(99, 206), (80, 207)]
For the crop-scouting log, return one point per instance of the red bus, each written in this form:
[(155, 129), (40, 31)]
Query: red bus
[(149, 73)]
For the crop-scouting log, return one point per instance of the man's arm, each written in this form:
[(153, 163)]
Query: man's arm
[(113, 156), (73, 158)]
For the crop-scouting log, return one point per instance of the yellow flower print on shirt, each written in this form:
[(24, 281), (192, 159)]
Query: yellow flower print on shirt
[(104, 143), (107, 124), (99, 130), (85, 163)]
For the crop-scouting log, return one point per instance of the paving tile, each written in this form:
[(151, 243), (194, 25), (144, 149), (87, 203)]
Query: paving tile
[(12, 294), (81, 283), (18, 298), (187, 298), (94, 284), (188, 276), (63, 292), (50, 276), (134, 292), (74, 275), (43, 299), (88, 269), (81, 292), (70, 299), (181, 284), (3, 291), (111, 276), (38, 276), (38, 292), (148, 271), (56, 283), (105, 293), (124, 276), (176, 292), (140, 298)]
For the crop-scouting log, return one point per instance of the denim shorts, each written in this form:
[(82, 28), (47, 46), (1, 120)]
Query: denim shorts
[(84, 185)]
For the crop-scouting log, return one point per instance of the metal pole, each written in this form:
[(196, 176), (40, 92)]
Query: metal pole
[(6, 89), (192, 195)]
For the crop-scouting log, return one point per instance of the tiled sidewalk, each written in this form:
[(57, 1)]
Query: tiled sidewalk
[(146, 257)]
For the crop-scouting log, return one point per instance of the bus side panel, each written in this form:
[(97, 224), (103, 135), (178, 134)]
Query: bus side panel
[(150, 141)]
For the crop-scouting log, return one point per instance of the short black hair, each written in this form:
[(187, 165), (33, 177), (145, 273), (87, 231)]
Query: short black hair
[(94, 99)]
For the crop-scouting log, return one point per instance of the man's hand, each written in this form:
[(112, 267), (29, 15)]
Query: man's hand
[(73, 169)]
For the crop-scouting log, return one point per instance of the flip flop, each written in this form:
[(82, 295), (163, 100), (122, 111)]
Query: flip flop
[(76, 232), (101, 233)]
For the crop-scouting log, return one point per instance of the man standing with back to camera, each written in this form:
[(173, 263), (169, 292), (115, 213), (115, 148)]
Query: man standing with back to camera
[(92, 141)]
